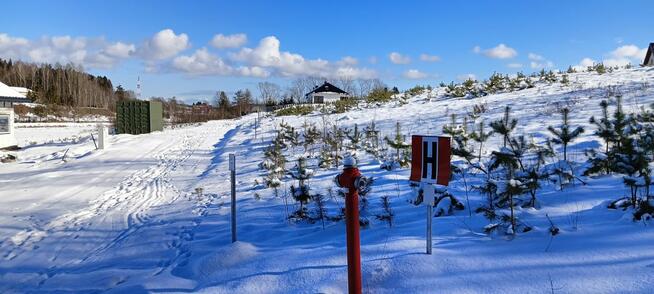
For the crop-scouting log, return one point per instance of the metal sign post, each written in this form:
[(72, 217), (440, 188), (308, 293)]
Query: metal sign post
[(428, 198), (430, 166), (232, 169)]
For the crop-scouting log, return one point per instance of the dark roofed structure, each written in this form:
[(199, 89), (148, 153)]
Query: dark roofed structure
[(327, 87), (649, 57), (326, 93)]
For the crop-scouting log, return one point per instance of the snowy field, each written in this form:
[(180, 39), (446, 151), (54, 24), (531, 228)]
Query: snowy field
[(128, 219)]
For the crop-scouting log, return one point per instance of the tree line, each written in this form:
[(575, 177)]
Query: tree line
[(63, 85)]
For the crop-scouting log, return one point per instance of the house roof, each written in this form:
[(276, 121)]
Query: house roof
[(7, 94), (648, 56), (327, 87)]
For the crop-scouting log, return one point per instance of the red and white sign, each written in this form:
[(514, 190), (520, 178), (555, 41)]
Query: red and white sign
[(430, 159)]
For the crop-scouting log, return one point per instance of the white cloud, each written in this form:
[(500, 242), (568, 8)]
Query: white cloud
[(348, 60), (541, 65), (163, 45), (466, 77), (7, 41), (414, 74), (354, 73), (621, 56), (119, 50), (539, 62), (81, 51), (68, 43), (616, 62), (268, 55), (500, 51), (627, 54), (398, 58), (202, 62), (429, 58), (229, 41), (584, 64), (162, 51), (629, 51), (535, 57), (514, 65), (373, 60)]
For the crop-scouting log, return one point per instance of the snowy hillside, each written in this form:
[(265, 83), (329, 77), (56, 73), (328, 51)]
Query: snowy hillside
[(151, 213)]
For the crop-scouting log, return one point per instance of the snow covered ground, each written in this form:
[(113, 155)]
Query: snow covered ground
[(129, 219)]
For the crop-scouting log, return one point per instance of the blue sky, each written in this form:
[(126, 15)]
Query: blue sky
[(169, 43)]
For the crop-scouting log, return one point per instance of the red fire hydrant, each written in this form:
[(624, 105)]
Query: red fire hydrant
[(352, 181)]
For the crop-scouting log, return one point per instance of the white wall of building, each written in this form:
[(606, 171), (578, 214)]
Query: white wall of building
[(328, 97), (7, 138)]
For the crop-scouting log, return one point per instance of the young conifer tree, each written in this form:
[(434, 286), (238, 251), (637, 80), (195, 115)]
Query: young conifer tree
[(604, 126), (565, 134), (321, 210), (505, 126), (399, 145), (480, 136), (311, 136), (301, 194), (275, 163), (355, 138), (513, 187)]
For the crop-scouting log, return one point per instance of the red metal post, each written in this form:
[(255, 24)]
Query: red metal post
[(353, 242)]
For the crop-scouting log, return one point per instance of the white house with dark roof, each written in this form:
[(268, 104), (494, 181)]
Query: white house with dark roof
[(8, 97), (325, 94)]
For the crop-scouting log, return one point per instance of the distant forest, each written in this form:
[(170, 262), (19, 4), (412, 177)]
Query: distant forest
[(64, 85)]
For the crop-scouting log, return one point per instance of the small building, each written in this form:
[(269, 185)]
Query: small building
[(649, 57), (8, 97), (138, 117), (201, 108), (325, 94)]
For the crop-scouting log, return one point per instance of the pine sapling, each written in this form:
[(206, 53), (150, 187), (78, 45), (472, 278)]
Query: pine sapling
[(565, 134), (513, 188), (321, 210), (301, 194), (388, 214), (355, 138), (505, 126), (480, 136), (311, 136), (604, 130), (399, 145)]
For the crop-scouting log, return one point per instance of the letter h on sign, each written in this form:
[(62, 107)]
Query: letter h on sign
[(430, 159)]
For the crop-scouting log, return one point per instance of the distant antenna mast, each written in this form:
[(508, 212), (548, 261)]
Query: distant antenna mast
[(138, 87)]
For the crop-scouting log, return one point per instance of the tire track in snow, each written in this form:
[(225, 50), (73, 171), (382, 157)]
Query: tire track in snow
[(122, 212), (124, 209)]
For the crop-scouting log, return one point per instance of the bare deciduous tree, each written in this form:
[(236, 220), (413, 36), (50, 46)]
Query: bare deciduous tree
[(269, 92)]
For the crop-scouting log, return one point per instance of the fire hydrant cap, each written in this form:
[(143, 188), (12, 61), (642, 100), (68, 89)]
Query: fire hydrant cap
[(349, 162)]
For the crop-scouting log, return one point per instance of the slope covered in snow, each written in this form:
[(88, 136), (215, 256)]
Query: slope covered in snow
[(152, 212)]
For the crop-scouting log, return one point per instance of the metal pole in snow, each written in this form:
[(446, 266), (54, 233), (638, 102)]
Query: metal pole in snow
[(232, 169), (428, 195), (429, 206)]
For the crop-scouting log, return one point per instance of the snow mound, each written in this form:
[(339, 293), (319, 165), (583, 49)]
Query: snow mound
[(225, 257)]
